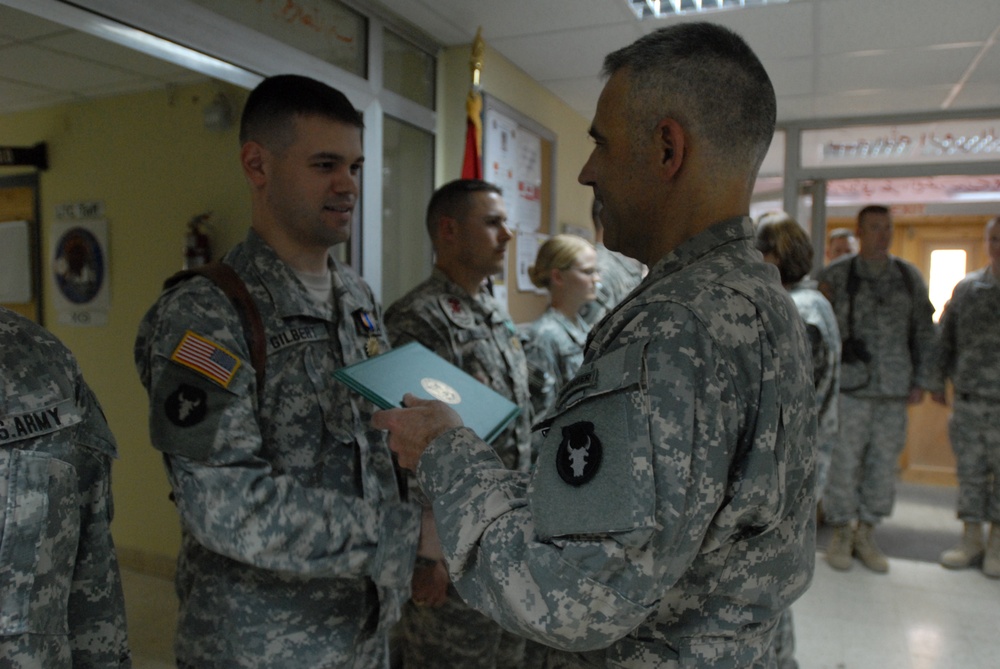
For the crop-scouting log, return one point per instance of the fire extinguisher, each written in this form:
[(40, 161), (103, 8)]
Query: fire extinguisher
[(197, 247)]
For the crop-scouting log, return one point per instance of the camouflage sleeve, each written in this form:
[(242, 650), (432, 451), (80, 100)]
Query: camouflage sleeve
[(229, 495), (577, 564), (924, 337), (96, 602), (819, 354), (944, 353), (544, 378)]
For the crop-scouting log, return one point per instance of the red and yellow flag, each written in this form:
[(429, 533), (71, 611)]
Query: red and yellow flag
[(472, 163)]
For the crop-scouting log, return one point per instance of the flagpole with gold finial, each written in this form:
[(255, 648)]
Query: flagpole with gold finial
[(472, 163)]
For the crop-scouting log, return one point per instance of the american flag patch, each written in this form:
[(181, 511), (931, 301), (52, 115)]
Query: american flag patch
[(206, 358)]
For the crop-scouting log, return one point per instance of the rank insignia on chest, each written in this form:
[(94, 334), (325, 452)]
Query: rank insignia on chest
[(366, 324), (579, 454), (456, 311)]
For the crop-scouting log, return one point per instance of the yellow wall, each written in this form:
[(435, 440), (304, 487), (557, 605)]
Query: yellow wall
[(152, 163), (149, 159)]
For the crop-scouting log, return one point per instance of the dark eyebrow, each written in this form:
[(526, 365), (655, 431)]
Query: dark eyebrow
[(335, 157)]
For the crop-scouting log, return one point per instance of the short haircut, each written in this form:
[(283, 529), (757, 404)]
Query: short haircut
[(558, 252), (872, 209), (709, 80), (780, 235), (840, 233), (273, 106), (452, 200)]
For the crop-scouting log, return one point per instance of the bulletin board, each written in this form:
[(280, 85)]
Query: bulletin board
[(519, 156)]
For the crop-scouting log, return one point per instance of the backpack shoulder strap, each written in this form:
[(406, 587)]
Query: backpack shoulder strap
[(226, 278)]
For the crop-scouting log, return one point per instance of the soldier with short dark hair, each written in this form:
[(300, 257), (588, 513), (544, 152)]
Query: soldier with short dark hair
[(296, 547), (888, 339), (453, 313)]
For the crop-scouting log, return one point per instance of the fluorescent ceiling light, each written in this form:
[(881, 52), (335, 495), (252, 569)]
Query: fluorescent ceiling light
[(652, 9)]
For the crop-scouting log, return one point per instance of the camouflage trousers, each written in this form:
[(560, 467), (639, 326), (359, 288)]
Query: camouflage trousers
[(455, 636), (861, 483), (784, 642), (974, 431)]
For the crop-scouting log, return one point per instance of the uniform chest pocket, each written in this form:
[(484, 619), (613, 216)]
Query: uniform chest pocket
[(594, 474), (40, 527)]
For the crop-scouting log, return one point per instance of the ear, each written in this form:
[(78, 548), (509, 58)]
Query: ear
[(555, 277), (670, 138), (252, 161)]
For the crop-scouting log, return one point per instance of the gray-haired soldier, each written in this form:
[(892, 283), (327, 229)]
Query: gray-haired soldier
[(884, 316), (296, 548), (669, 520), (969, 354), (61, 602)]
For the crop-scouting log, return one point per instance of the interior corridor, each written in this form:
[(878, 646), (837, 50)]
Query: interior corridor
[(918, 616)]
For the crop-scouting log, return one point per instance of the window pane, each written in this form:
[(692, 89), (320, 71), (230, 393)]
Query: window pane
[(408, 70), (947, 269), (325, 29), (407, 184)]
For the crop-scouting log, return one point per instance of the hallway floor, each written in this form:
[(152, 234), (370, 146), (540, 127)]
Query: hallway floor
[(918, 616)]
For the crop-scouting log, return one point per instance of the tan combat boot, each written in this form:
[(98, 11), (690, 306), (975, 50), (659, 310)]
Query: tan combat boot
[(968, 552), (991, 559), (838, 553), (867, 551)]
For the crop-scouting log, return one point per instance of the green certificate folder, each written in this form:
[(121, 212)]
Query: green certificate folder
[(413, 368)]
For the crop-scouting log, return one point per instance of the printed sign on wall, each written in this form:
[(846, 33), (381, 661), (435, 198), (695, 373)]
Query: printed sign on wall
[(80, 272)]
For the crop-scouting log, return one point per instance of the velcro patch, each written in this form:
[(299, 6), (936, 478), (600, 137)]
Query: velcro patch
[(579, 454), (207, 358), (42, 421)]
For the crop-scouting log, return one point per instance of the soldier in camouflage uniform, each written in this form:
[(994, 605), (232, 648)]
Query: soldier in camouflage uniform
[(969, 354), (566, 266), (296, 547), (785, 244), (884, 316), (619, 274), (670, 516), (454, 315), (61, 601)]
